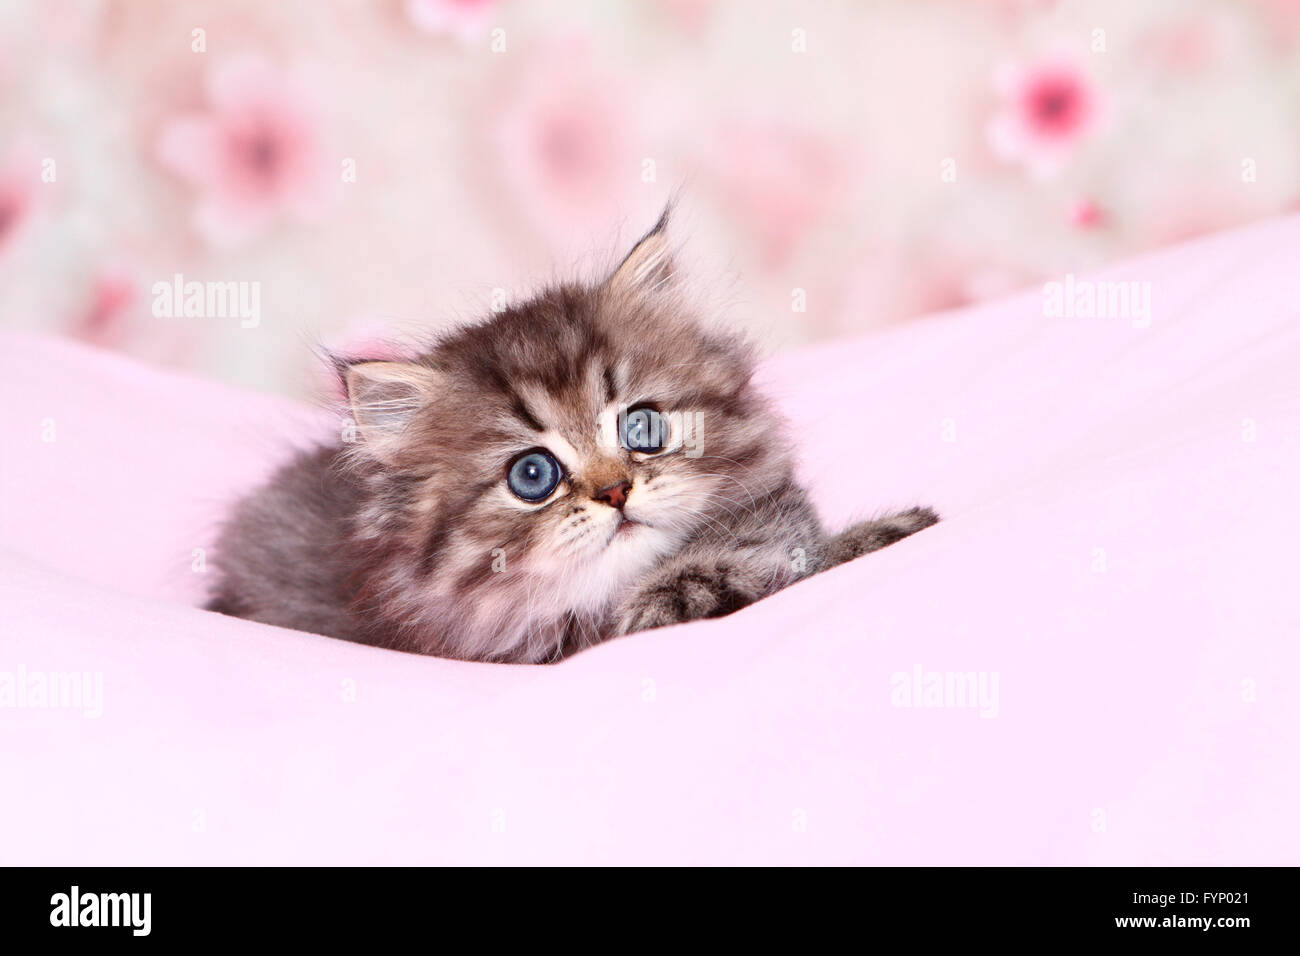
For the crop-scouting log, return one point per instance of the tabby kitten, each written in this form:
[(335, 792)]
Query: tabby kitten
[(587, 464)]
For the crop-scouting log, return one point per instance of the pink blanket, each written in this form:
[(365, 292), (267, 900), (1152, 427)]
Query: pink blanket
[(1093, 659)]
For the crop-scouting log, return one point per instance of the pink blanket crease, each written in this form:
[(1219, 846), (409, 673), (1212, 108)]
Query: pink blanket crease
[(1091, 660)]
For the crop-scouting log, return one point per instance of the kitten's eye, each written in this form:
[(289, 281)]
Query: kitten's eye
[(644, 430), (533, 475)]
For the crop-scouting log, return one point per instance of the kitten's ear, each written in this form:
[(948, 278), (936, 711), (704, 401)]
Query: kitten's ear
[(649, 267), (384, 397)]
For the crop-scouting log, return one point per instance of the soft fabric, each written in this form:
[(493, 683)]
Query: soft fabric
[(1116, 561)]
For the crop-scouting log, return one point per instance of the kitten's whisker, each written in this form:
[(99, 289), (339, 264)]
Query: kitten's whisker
[(717, 525), (722, 501), (714, 495), (718, 474)]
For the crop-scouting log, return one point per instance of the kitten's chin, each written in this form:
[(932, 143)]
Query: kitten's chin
[(634, 539), (633, 547), (597, 580)]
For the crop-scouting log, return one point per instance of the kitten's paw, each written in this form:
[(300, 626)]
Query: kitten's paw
[(873, 535), (910, 521), (687, 594)]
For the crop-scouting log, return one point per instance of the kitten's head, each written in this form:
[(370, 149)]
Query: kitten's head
[(529, 470)]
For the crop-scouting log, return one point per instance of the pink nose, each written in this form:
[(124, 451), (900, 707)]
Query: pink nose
[(614, 495)]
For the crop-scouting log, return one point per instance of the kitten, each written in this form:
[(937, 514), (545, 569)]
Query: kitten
[(587, 464)]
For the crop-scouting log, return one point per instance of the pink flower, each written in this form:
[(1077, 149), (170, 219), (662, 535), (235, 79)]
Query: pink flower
[(1189, 46), (564, 142), (690, 15), (1282, 19), (105, 321), (466, 20), (256, 156), (1047, 108), (19, 182), (778, 178), (1084, 213)]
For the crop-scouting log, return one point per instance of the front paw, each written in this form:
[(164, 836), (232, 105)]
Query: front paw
[(868, 536), (685, 595)]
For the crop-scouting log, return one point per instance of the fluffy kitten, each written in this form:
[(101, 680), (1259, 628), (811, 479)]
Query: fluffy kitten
[(587, 464)]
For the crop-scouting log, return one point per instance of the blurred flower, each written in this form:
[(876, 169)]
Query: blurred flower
[(1047, 108), (1281, 21), (256, 156), (780, 179), (564, 144), (1084, 213), (19, 182), (105, 320), (466, 20), (690, 15), (899, 282), (1188, 46), (1180, 207)]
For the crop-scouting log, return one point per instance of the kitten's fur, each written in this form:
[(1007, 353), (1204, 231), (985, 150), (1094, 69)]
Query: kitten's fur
[(409, 537)]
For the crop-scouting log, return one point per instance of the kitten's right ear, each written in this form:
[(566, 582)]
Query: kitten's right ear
[(649, 267), (384, 397)]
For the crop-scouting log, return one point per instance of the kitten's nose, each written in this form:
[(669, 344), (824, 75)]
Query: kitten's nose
[(615, 494)]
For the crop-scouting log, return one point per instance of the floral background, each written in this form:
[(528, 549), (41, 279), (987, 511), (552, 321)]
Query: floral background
[(386, 167)]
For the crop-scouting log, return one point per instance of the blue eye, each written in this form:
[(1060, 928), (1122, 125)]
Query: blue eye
[(644, 429), (534, 475)]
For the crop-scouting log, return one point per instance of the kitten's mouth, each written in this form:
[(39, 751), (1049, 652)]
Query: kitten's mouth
[(624, 527)]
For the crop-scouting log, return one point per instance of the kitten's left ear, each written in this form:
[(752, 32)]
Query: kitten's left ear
[(384, 397), (649, 267)]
